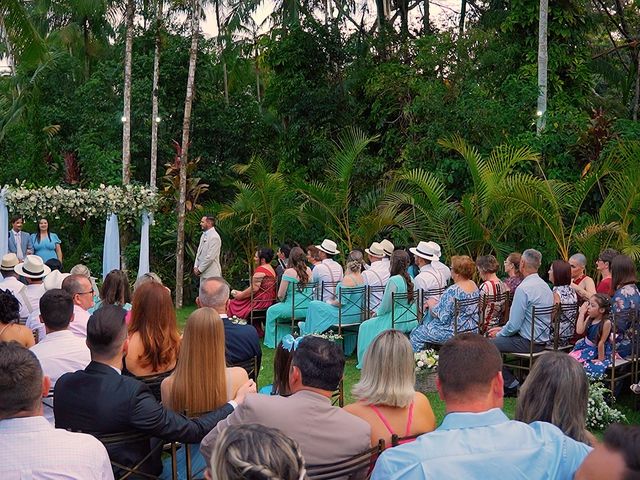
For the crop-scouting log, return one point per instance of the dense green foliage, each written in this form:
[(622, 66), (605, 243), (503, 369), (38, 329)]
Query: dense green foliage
[(352, 133)]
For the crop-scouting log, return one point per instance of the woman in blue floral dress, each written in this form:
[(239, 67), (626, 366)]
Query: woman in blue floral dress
[(438, 326), (625, 300), (594, 350)]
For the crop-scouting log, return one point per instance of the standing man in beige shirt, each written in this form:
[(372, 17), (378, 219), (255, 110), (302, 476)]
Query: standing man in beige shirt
[(207, 262)]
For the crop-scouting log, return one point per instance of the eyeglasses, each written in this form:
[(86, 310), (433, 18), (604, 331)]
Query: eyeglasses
[(84, 293)]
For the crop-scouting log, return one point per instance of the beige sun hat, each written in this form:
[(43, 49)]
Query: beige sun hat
[(387, 246), (9, 261), (54, 280), (427, 250), (329, 247), (375, 250), (33, 267)]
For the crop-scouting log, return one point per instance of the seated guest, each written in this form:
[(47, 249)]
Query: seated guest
[(100, 400), (293, 284), (283, 259), (377, 275), (438, 326), (313, 257), (476, 439), (53, 281), (603, 265), (241, 341), (54, 264), (565, 297), (115, 290), (262, 291), (10, 282), (515, 336), (328, 271), (200, 382), (616, 458), (580, 281), (388, 248), (512, 269), (61, 351), (321, 316), (83, 270), (556, 391), (430, 278), (29, 446), (33, 270), (594, 350), (10, 328), (146, 278), (490, 288), (626, 298), (80, 289), (256, 451), (385, 394), (281, 366), (154, 340), (405, 308), (306, 416)]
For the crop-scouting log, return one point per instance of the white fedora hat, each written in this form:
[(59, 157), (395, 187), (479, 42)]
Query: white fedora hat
[(9, 261), (375, 249), (54, 280), (387, 246), (328, 246), (427, 250), (33, 267)]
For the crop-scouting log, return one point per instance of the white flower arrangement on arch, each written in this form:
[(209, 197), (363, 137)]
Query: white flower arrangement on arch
[(126, 201)]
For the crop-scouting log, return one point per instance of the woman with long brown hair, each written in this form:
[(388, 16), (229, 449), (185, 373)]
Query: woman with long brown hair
[(154, 340), (201, 382)]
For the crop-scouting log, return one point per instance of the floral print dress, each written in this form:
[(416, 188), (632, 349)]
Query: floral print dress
[(585, 351), (625, 299)]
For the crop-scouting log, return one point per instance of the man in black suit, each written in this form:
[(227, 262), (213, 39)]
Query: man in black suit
[(99, 400), (241, 340)]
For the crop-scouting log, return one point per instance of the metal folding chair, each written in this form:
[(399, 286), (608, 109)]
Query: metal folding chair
[(404, 315), (374, 298), (467, 307), (251, 366), (327, 290), (354, 467), (625, 327), (300, 298)]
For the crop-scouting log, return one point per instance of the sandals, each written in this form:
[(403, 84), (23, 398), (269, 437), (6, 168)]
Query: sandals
[(635, 388)]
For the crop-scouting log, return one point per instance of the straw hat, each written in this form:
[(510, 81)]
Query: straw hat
[(54, 280), (387, 246), (375, 250), (33, 267), (329, 247), (9, 261), (427, 250)]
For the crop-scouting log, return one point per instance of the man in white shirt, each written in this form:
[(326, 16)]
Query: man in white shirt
[(33, 323), (328, 272), (388, 248), (377, 275), (81, 291), (11, 283), (207, 262), (431, 278), (34, 271), (61, 351), (29, 446)]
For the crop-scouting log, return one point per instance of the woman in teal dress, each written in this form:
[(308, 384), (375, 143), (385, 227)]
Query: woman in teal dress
[(295, 277), (321, 316), (46, 245), (399, 282)]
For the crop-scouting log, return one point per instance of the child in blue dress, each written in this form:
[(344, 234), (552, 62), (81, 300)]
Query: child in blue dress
[(594, 350)]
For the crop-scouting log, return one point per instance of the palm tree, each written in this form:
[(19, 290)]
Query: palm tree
[(154, 95), (23, 42), (542, 65), (126, 115)]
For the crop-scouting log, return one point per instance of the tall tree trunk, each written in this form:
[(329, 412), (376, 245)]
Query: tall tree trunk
[(257, 59), (126, 115), (85, 36), (186, 126), (636, 97), (7, 43), (154, 99), (542, 66), (463, 14), (221, 50), (426, 20)]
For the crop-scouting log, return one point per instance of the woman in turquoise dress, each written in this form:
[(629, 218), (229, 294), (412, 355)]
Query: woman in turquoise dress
[(46, 245), (293, 284), (437, 327), (399, 282), (321, 316)]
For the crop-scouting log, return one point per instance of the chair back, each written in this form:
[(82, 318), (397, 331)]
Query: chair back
[(403, 314), (466, 315), (250, 365), (337, 399), (121, 471), (493, 308), (153, 381), (397, 440), (352, 305), (374, 298), (301, 297), (564, 324), (353, 467), (543, 317), (327, 291)]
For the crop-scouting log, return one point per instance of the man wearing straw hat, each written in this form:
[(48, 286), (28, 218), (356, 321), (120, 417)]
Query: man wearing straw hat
[(377, 275), (430, 278), (34, 271), (328, 270), (12, 283)]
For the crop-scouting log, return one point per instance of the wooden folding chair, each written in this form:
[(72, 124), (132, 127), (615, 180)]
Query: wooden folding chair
[(352, 311), (327, 290), (466, 307), (338, 396), (404, 315), (300, 299), (250, 365), (123, 472), (624, 327), (154, 381), (564, 327), (374, 298), (346, 468), (397, 440), (501, 300), (257, 316)]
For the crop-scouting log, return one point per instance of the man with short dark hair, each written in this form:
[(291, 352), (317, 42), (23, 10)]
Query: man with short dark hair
[(100, 400), (81, 291), (283, 259), (207, 263), (241, 340), (60, 351), (29, 446), (328, 271), (307, 415), (19, 241), (616, 458), (476, 440)]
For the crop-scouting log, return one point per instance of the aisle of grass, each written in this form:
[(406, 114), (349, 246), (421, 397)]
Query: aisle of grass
[(352, 375)]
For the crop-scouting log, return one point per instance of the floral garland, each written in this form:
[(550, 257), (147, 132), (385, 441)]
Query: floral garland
[(128, 201), (599, 414)]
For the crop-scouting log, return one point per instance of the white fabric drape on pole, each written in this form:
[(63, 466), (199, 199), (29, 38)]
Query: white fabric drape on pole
[(4, 224), (143, 263), (111, 251)]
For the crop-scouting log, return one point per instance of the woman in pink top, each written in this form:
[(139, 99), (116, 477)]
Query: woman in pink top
[(386, 396)]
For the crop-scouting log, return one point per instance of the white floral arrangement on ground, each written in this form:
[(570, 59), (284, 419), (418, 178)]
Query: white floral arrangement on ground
[(330, 335), (599, 414), (127, 201), (426, 360)]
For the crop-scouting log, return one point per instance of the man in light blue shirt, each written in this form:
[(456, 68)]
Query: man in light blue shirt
[(515, 336), (476, 439)]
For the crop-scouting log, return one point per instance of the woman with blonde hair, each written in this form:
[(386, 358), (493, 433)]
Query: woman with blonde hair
[(256, 452), (386, 398), (154, 340), (201, 382)]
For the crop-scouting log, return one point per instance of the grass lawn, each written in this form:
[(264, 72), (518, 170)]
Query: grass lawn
[(351, 375)]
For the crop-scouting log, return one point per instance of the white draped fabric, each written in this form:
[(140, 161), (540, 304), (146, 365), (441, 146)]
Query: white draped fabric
[(143, 262), (111, 251), (4, 224)]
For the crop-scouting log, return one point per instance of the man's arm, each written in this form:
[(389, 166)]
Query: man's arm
[(516, 315)]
